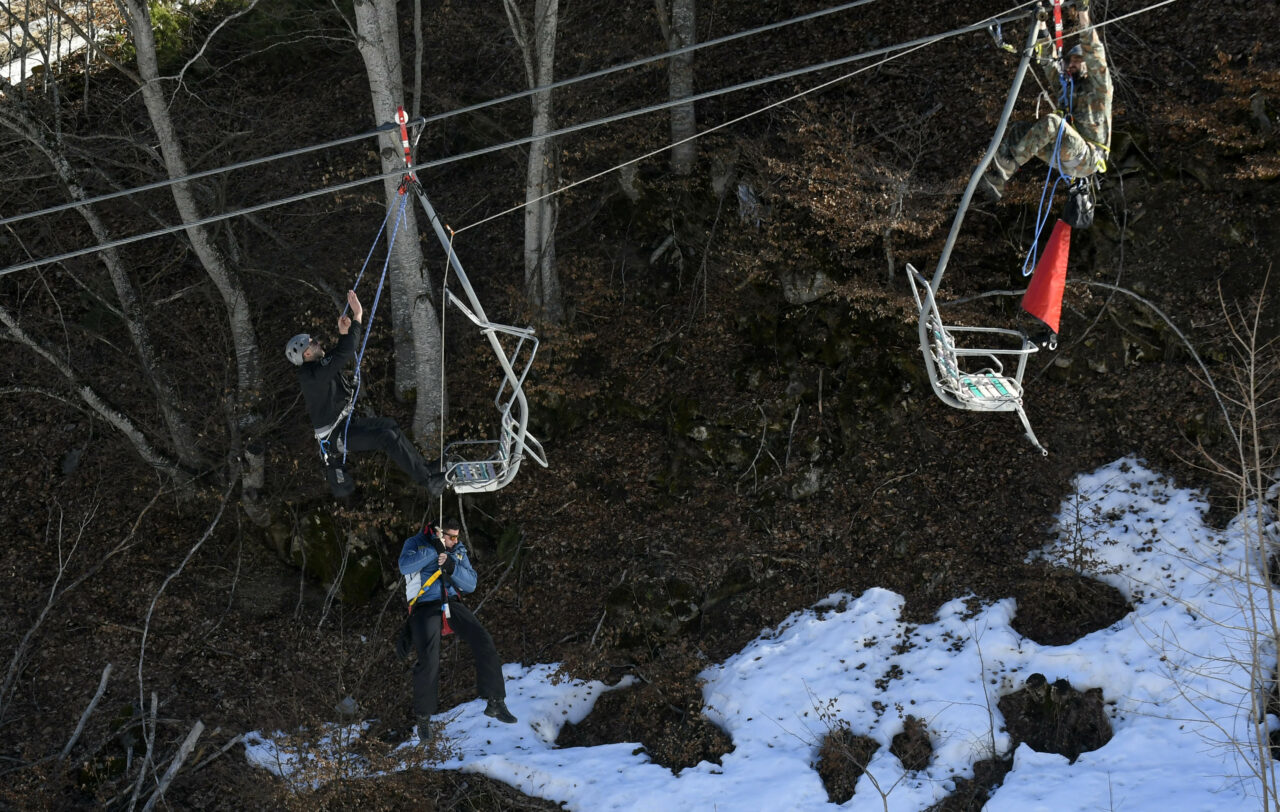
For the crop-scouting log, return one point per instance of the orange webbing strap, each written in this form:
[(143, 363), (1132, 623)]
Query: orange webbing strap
[(402, 118), (1057, 27)]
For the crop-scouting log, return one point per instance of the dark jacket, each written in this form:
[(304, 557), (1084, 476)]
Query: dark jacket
[(325, 388), (418, 564)]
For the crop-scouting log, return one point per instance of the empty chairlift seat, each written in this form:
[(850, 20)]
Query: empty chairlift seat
[(482, 466), (972, 378)]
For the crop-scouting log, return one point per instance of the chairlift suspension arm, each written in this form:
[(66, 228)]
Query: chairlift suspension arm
[(476, 310), (1037, 20), (515, 441)]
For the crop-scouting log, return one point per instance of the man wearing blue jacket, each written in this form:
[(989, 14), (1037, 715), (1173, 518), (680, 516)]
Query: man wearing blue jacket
[(437, 570)]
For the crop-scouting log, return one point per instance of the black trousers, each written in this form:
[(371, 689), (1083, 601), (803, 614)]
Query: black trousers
[(424, 623), (383, 434)]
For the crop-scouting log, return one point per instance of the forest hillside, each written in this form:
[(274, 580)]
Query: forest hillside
[(729, 386)]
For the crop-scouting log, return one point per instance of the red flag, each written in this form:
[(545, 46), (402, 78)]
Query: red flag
[(1043, 298)]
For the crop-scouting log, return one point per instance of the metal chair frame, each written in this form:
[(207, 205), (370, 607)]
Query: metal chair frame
[(989, 389), (482, 466)]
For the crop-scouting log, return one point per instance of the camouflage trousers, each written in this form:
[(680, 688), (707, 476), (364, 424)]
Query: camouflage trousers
[(1078, 157)]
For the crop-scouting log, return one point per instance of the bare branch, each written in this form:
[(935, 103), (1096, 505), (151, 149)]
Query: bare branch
[(188, 745), (93, 45), (84, 717), (94, 401)]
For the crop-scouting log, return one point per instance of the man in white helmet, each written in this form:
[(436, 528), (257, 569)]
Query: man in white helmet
[(329, 397)]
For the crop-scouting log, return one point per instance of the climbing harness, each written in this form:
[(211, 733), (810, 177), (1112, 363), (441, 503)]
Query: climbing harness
[(435, 576), (445, 629)]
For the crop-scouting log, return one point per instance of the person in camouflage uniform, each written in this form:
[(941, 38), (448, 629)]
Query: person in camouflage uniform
[(1086, 136)]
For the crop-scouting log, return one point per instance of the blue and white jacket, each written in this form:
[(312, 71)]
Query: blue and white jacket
[(418, 564)]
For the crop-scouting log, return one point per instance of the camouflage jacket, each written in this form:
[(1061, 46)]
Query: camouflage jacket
[(1091, 103)]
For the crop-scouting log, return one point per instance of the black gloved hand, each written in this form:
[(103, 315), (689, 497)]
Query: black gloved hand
[(449, 563), (434, 540)]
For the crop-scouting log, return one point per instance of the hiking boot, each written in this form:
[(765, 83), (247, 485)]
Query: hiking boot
[(1003, 165), (498, 710), (998, 173), (1045, 339), (423, 732), (992, 185)]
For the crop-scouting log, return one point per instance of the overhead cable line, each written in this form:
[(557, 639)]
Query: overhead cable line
[(906, 48), (160, 184), (687, 49), (419, 121), (910, 46), (920, 42), (204, 221)]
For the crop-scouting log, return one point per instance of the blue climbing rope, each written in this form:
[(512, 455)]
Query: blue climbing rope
[(406, 183), (369, 256), (377, 297), (1066, 97)]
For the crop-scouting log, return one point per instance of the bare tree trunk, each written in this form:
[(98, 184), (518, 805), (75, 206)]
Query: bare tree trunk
[(415, 322), (679, 30), (537, 48), (181, 436), (245, 417), (94, 401)]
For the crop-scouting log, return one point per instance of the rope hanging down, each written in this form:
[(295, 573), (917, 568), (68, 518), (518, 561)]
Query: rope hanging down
[(373, 311), (400, 210), (1056, 172)]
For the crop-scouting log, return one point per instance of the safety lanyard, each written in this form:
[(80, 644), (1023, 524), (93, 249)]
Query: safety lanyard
[(434, 576)]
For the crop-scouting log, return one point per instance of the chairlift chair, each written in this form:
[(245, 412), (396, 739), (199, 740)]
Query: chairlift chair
[(474, 466), (951, 374), (482, 466), (950, 366)]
